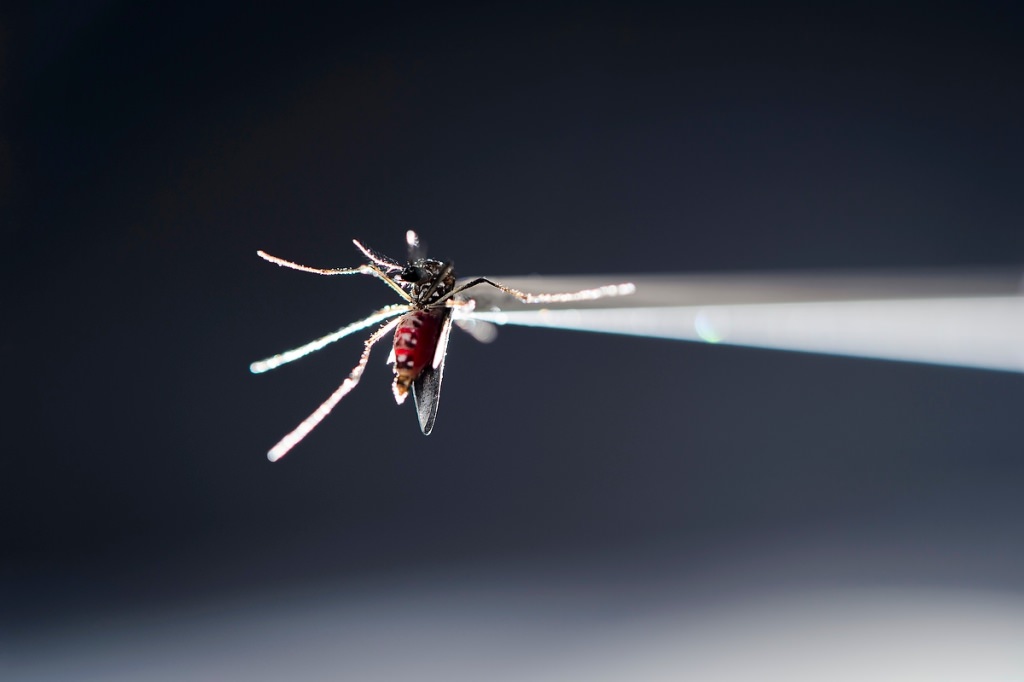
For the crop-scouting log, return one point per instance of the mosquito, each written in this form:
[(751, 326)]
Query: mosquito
[(422, 325)]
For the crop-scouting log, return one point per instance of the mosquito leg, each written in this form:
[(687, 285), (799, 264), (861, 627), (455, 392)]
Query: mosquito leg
[(371, 270), (313, 346), (584, 295), (361, 270), (350, 382)]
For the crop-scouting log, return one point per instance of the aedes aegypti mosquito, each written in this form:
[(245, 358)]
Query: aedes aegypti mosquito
[(431, 293)]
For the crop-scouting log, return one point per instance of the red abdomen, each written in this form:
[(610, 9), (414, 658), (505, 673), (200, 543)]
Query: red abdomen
[(415, 343)]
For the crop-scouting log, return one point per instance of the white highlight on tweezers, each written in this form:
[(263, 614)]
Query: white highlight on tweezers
[(974, 331)]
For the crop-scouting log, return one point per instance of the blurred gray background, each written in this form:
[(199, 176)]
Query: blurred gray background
[(574, 484)]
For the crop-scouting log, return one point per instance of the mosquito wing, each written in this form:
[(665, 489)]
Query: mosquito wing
[(426, 389), (416, 248)]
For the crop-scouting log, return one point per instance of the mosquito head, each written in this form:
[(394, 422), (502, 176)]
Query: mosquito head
[(414, 273), (428, 279)]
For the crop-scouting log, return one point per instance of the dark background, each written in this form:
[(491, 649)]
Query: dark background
[(148, 150)]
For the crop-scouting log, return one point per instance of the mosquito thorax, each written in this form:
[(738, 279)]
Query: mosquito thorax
[(428, 279)]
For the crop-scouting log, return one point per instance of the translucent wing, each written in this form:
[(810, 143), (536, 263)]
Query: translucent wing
[(416, 248), (426, 390)]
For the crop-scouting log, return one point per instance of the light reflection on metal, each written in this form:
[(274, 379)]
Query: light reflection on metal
[(969, 318)]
